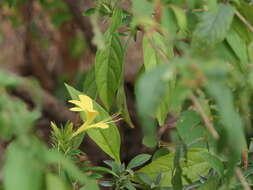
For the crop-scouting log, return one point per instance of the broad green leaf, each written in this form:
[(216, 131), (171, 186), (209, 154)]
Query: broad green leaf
[(169, 22), (22, 168), (238, 45), (214, 162), (180, 16), (138, 160), (142, 7), (159, 153), (108, 69), (225, 53), (55, 182), (107, 139), (150, 57), (89, 85), (192, 168), (145, 178), (190, 129), (213, 25)]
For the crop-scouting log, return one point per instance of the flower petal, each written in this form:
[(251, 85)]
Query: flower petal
[(78, 109), (86, 102), (90, 116), (85, 127), (99, 125), (76, 102)]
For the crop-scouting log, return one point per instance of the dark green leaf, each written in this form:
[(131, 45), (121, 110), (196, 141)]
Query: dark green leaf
[(89, 12), (108, 69), (214, 25), (138, 160)]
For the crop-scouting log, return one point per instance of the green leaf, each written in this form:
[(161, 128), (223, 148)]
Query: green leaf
[(238, 46), (89, 12), (150, 89), (22, 119), (152, 59), (138, 160), (142, 7), (229, 117), (107, 139), (8, 80), (246, 9), (214, 162), (169, 22), (180, 16), (190, 130), (150, 56), (214, 25), (211, 183), (145, 178), (116, 20), (192, 168), (129, 186), (108, 69), (22, 170), (89, 85), (55, 182), (250, 51)]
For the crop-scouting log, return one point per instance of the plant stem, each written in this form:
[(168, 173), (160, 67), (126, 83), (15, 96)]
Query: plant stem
[(242, 179), (238, 14), (206, 120)]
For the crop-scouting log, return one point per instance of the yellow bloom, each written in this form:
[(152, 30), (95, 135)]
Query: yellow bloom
[(85, 104)]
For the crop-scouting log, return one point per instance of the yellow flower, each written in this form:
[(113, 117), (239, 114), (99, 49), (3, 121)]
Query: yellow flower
[(85, 104)]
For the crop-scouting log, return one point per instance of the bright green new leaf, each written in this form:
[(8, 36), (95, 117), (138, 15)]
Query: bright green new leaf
[(181, 17)]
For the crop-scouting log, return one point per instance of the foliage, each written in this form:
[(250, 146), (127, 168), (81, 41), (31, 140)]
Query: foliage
[(197, 69)]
